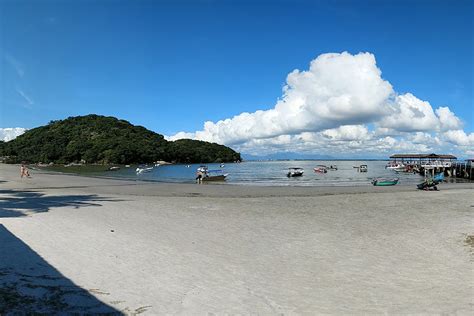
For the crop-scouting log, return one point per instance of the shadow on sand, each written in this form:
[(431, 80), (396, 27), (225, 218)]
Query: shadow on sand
[(22, 203), (30, 285)]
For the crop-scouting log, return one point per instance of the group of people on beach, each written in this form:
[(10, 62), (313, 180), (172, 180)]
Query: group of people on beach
[(24, 172)]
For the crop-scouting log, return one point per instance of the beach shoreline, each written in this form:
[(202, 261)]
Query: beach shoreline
[(45, 179), (260, 174), (167, 248)]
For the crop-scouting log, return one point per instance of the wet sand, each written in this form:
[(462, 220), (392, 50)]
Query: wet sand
[(134, 247)]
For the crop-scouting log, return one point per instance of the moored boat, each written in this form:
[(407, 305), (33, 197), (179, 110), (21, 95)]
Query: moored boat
[(361, 168), (295, 172), (320, 169), (429, 184), (215, 175), (205, 175), (384, 181), (395, 166), (141, 170)]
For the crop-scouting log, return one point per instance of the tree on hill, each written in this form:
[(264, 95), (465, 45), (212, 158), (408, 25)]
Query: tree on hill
[(101, 139), (188, 151)]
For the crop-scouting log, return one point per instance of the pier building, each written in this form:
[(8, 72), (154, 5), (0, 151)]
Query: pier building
[(430, 164)]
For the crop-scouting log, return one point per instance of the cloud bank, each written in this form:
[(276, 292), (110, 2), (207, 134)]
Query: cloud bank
[(7, 134), (341, 105)]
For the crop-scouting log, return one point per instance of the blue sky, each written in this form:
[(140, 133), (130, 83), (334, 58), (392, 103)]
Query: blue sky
[(171, 65)]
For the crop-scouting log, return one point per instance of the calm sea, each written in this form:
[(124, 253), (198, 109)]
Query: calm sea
[(273, 173)]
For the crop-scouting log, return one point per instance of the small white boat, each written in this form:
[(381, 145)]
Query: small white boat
[(395, 166), (321, 169), (295, 172), (361, 168), (204, 174), (143, 170)]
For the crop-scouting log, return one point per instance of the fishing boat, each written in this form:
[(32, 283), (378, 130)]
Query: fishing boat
[(384, 181), (361, 168), (428, 184), (400, 168), (141, 170), (204, 174), (405, 169), (395, 166), (321, 169), (295, 172), (215, 175)]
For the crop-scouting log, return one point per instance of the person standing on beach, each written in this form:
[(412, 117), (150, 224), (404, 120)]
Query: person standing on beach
[(199, 176), (24, 171)]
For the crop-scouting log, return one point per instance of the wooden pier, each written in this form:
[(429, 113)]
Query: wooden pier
[(431, 164), (464, 169)]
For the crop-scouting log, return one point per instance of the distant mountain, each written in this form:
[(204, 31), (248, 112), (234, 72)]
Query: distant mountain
[(287, 156), (100, 139)]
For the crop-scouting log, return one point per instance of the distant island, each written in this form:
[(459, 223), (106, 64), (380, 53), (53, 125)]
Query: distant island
[(96, 139)]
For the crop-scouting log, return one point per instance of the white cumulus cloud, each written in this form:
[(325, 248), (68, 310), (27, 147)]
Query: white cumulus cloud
[(408, 114), (7, 134), (448, 120), (338, 89), (347, 132), (341, 104), (459, 137)]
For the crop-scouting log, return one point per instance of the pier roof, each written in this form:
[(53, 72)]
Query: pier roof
[(422, 156)]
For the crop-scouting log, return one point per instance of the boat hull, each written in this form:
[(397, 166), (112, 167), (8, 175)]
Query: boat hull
[(291, 175), (384, 182), (320, 170), (214, 178), (428, 185)]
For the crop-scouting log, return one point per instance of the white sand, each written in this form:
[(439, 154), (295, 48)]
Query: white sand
[(199, 249)]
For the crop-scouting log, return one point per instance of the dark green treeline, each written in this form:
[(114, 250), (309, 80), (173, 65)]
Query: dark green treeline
[(107, 140)]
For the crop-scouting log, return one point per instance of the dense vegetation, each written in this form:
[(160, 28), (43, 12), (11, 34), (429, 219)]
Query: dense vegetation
[(101, 139), (188, 150)]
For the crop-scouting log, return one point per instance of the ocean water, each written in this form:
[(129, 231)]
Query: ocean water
[(273, 173)]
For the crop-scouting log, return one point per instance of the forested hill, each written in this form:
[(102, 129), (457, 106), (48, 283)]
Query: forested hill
[(101, 139)]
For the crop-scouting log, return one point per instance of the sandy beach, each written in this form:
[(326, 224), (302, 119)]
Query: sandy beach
[(89, 245)]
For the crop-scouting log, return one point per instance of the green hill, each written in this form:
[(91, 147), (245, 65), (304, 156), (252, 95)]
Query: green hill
[(108, 140)]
